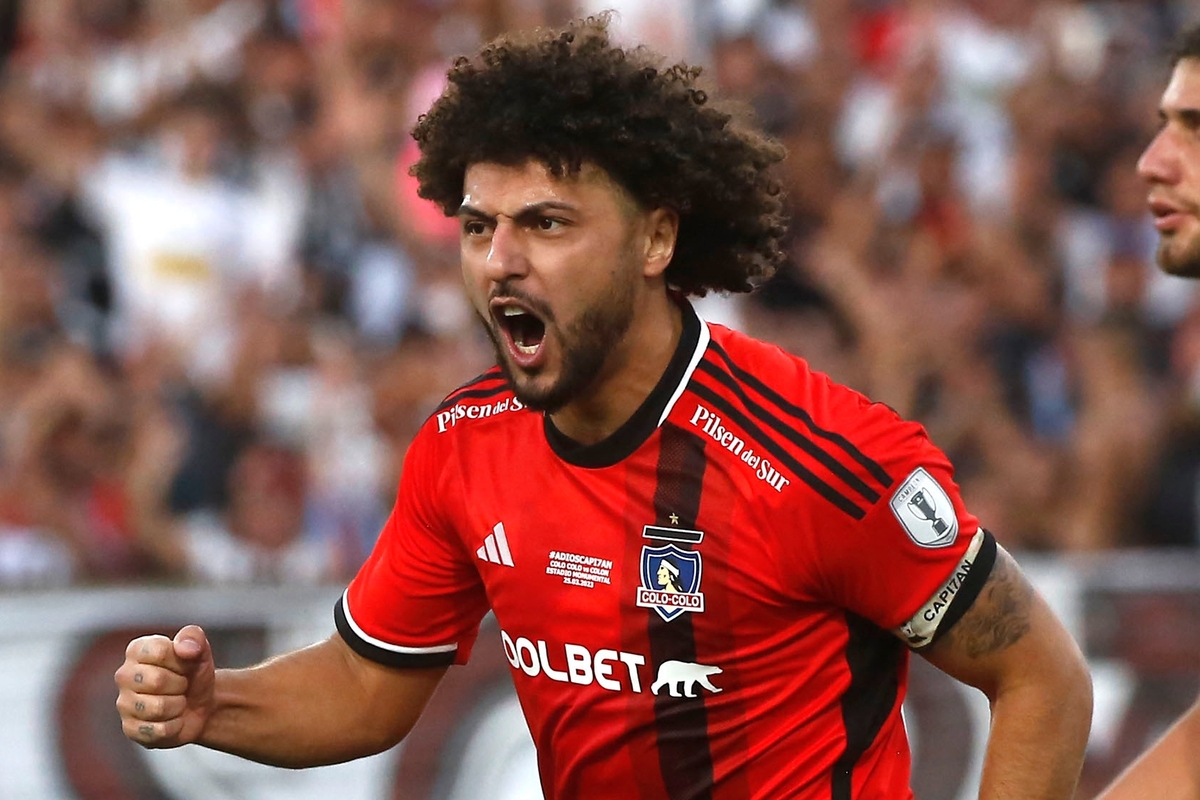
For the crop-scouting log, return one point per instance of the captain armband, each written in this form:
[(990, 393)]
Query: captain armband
[(954, 597)]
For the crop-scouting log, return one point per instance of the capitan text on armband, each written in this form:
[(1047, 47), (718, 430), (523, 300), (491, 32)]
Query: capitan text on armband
[(921, 629)]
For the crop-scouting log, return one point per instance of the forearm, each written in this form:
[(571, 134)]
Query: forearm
[(1038, 737), (1010, 646), (1170, 770), (307, 708)]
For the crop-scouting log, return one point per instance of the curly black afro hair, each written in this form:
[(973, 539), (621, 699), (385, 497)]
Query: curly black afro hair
[(569, 96)]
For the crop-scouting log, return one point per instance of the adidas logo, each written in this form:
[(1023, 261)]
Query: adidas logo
[(495, 547)]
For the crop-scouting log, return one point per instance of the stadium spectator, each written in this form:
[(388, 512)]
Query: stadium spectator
[(64, 506), (261, 536), (973, 156)]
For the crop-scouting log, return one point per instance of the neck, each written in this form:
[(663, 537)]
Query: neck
[(630, 373)]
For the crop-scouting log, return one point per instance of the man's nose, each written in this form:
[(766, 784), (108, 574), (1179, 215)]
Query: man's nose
[(1159, 162), (506, 256)]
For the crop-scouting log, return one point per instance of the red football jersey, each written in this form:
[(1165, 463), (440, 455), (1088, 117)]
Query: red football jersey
[(711, 604)]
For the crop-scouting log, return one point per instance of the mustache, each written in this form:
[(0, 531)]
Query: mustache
[(508, 290)]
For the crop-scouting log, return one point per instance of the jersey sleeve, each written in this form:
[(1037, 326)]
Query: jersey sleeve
[(917, 559), (418, 600)]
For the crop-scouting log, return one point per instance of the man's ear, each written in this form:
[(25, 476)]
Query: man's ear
[(662, 231)]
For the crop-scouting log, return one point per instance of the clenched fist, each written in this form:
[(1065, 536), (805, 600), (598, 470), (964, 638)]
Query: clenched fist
[(166, 688)]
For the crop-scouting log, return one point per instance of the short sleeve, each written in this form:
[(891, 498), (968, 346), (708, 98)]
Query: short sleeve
[(917, 558), (418, 600)]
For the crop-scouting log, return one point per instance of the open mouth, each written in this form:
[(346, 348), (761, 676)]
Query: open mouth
[(524, 330)]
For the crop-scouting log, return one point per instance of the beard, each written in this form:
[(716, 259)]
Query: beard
[(1180, 258), (583, 348)]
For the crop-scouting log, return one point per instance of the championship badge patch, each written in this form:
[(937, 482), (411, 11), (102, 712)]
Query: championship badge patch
[(670, 581), (925, 510)]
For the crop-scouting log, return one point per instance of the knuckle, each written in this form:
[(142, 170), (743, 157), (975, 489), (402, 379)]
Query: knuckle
[(145, 647), (124, 676), (147, 679), (136, 648), (138, 730), (158, 708), (145, 708), (173, 706)]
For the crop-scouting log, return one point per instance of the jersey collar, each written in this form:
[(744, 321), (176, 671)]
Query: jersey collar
[(653, 411)]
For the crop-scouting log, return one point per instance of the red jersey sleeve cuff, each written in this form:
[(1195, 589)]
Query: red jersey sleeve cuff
[(386, 653)]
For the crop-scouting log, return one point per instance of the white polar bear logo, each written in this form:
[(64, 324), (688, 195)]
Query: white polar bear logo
[(684, 675)]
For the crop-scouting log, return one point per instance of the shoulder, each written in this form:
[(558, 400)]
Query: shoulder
[(484, 397), (483, 408), (846, 447), (787, 384)]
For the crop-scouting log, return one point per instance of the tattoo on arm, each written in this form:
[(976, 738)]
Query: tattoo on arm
[(1000, 615)]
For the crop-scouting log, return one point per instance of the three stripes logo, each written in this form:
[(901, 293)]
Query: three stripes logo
[(495, 547)]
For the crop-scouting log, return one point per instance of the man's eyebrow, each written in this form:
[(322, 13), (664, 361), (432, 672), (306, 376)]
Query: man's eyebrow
[(531, 210), (466, 210), (1189, 117)]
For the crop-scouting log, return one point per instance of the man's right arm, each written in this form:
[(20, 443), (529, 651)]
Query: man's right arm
[(319, 705), (1170, 770)]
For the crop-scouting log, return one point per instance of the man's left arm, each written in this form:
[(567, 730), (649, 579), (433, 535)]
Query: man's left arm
[(1012, 647)]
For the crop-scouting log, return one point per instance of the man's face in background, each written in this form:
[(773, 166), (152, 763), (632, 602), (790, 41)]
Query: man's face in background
[(1171, 167)]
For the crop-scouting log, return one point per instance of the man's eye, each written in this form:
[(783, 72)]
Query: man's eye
[(549, 223), (474, 227)]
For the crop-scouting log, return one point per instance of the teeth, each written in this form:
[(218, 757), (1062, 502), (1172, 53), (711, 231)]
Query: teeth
[(512, 311), (526, 349)]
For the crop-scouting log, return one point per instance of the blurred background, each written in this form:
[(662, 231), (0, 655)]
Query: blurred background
[(224, 313)]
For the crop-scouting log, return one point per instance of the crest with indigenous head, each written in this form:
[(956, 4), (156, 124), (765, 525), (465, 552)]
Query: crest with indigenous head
[(671, 574)]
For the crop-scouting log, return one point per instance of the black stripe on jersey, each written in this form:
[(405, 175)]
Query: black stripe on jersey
[(672, 534), (492, 373), (790, 433), (874, 657), (787, 459), (681, 723), (799, 413), (380, 655), (467, 393)]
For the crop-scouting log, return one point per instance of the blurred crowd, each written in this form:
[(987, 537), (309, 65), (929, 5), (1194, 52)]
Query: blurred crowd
[(224, 312)]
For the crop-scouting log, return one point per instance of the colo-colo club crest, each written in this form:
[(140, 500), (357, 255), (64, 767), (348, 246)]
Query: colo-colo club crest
[(670, 574)]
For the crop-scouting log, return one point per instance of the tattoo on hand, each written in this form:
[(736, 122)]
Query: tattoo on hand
[(139, 706), (1000, 615), (138, 677), (147, 731)]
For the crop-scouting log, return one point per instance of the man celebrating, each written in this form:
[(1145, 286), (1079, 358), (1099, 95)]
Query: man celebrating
[(817, 537), (1170, 770)]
